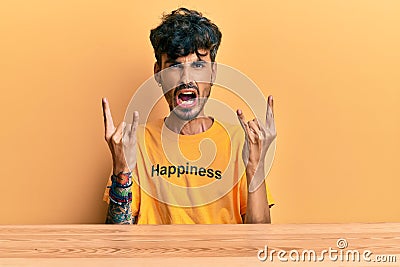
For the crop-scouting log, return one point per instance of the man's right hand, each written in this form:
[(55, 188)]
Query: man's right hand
[(120, 140)]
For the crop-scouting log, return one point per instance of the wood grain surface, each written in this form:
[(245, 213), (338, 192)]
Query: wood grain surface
[(189, 245)]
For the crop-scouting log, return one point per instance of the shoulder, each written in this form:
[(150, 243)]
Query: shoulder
[(150, 127), (235, 131)]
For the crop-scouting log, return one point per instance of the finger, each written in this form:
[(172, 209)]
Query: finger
[(117, 136), (257, 122), (270, 107), (271, 101), (261, 126), (270, 121), (108, 121), (242, 120), (270, 111), (135, 121), (253, 125)]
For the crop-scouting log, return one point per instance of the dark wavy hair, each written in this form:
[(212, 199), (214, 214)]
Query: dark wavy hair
[(183, 32)]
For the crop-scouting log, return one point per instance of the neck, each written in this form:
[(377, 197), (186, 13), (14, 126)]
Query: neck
[(195, 126)]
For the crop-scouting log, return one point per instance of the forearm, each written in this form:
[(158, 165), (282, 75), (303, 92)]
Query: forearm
[(119, 214), (119, 209), (257, 203)]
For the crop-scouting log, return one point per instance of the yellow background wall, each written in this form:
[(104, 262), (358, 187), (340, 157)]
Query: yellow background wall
[(332, 66)]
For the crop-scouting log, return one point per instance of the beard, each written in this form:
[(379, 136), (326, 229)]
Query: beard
[(182, 111), (188, 114)]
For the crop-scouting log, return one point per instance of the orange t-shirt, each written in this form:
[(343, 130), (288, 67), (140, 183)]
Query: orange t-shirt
[(186, 179)]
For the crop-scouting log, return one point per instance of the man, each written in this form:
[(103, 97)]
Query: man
[(150, 187)]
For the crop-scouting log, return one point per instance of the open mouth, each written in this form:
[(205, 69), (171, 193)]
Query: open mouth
[(186, 98)]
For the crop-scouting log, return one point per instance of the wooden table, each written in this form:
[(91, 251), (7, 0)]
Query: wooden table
[(190, 245)]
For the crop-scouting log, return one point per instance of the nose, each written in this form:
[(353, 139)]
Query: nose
[(185, 74)]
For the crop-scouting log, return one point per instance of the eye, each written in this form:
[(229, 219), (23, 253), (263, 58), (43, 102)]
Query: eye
[(198, 65), (176, 66)]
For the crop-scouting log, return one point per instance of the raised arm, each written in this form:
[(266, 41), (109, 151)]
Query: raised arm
[(258, 138), (122, 144)]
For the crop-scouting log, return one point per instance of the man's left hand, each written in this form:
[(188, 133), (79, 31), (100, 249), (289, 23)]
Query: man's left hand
[(258, 138)]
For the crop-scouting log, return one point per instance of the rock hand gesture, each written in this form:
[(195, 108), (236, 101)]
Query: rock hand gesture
[(120, 140)]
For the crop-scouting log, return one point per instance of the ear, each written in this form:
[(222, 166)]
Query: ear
[(213, 72), (157, 70)]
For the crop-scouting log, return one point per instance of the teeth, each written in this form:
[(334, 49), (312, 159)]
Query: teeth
[(187, 93), (188, 101)]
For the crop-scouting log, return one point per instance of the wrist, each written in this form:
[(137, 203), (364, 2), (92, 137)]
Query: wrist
[(254, 167), (120, 189), (120, 169), (253, 170), (122, 179)]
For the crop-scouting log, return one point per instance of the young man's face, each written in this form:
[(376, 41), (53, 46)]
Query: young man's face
[(186, 83)]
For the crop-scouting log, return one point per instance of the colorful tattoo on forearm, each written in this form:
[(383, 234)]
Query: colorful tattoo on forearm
[(120, 214), (119, 209)]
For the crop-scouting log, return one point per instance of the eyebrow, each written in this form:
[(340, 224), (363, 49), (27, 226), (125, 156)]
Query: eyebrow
[(173, 61)]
